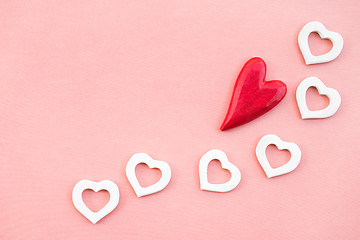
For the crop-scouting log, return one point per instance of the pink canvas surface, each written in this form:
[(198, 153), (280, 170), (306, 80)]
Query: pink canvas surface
[(86, 84)]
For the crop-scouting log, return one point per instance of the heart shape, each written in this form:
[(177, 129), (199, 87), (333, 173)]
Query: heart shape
[(294, 150), (225, 164), (319, 28), (252, 95), (79, 204), (151, 163), (332, 94)]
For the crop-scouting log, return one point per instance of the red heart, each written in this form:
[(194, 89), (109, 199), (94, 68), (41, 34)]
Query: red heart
[(252, 96)]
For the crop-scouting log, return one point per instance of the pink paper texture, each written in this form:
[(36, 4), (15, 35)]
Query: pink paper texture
[(85, 84)]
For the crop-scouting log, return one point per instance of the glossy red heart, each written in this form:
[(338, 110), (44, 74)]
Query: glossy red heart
[(252, 96)]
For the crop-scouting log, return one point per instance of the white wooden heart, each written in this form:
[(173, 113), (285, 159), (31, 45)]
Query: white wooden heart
[(225, 164), (156, 187), (332, 94), (318, 27), (294, 150), (79, 204)]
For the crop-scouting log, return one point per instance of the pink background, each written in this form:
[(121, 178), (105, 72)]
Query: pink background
[(86, 84)]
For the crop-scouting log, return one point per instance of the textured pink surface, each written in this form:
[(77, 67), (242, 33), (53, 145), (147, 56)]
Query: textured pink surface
[(86, 84)]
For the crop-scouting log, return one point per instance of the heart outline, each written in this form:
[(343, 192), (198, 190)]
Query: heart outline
[(319, 28), (79, 204), (293, 148), (151, 163), (225, 164), (332, 94)]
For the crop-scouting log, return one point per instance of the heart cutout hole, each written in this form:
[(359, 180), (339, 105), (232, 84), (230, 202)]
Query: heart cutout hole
[(95, 201), (216, 176), (319, 46), (147, 176), (315, 101), (276, 157)]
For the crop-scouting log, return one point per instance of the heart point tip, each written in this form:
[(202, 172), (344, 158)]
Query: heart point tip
[(225, 126)]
